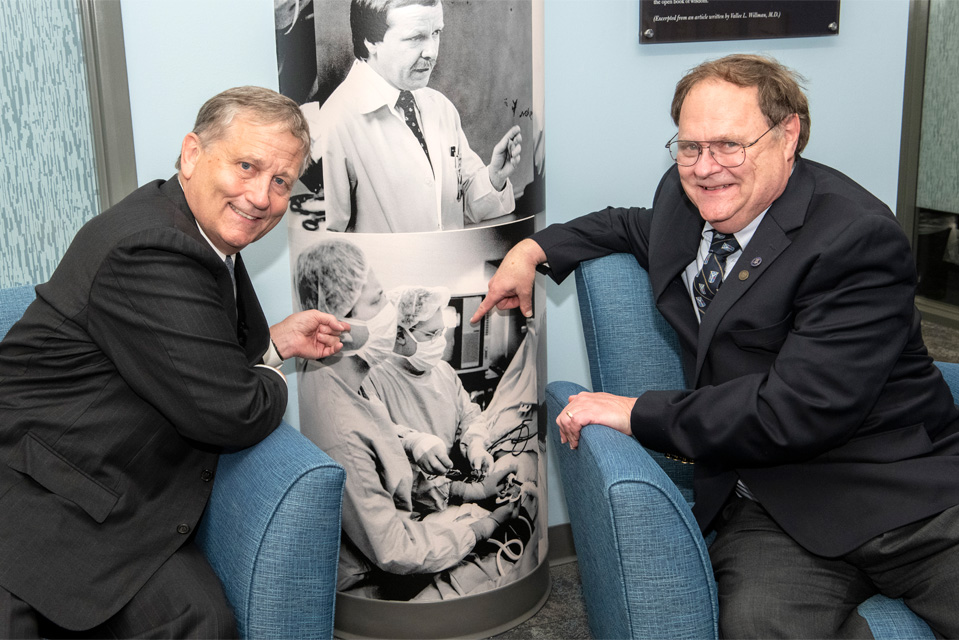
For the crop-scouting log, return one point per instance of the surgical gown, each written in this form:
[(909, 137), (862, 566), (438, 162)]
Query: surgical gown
[(378, 520), (432, 402)]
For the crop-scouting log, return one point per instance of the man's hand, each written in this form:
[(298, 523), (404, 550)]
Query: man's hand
[(308, 334), (512, 284), (506, 157), (479, 458), (594, 408)]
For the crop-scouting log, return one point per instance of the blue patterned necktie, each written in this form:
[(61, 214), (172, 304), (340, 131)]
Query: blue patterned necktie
[(710, 277), (407, 105)]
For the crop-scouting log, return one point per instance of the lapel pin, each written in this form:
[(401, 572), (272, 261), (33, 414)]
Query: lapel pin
[(756, 262), (743, 274)]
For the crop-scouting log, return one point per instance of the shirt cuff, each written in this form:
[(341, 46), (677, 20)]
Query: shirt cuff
[(275, 370), (271, 358), (506, 198)]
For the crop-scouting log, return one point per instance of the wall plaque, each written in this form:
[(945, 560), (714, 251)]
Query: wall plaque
[(703, 20)]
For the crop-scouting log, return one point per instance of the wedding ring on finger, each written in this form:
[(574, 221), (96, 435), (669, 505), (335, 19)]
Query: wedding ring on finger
[(569, 413)]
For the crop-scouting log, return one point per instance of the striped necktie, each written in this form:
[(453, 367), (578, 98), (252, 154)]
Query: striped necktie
[(710, 277)]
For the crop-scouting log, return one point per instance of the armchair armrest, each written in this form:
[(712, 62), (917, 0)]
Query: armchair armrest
[(13, 302), (644, 564), (272, 534), (950, 372)]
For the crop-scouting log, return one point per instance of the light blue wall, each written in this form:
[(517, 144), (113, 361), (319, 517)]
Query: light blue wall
[(607, 103), (607, 119)]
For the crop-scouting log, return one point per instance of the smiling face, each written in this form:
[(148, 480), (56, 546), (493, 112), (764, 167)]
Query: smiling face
[(238, 186), (731, 198), (408, 51)]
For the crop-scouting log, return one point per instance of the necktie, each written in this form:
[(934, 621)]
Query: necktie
[(229, 267), (407, 105), (710, 277)]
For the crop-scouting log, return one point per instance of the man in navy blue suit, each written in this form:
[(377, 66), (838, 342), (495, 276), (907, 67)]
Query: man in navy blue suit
[(825, 441)]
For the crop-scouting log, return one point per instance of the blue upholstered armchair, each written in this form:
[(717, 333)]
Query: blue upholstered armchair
[(271, 529), (644, 564)]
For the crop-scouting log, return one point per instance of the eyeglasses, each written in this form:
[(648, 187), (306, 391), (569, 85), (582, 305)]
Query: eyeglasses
[(726, 153)]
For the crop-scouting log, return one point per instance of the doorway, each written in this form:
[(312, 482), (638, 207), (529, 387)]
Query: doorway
[(928, 202)]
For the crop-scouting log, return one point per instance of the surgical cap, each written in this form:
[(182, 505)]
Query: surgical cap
[(330, 276), (415, 304)]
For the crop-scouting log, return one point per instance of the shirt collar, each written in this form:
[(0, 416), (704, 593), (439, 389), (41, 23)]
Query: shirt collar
[(743, 236), (377, 91)]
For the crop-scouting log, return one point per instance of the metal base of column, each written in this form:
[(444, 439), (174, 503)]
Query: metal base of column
[(476, 616)]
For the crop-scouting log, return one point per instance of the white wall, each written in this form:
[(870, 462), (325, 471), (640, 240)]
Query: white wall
[(607, 114)]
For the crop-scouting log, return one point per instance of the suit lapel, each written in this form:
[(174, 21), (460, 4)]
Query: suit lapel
[(673, 247), (772, 237), (186, 223)]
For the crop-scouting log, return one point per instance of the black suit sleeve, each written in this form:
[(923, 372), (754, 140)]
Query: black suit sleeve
[(612, 230), (157, 311)]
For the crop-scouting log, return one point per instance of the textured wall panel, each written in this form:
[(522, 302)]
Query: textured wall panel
[(47, 172), (938, 185)]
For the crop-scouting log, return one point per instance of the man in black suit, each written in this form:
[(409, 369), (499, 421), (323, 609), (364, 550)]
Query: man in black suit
[(826, 442), (143, 358)]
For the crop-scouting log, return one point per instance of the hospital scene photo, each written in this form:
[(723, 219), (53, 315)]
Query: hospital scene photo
[(436, 421)]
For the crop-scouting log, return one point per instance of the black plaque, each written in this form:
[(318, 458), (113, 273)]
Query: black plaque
[(702, 20)]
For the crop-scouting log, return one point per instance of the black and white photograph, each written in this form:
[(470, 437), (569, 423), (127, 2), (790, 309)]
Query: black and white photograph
[(435, 419), (421, 113), (426, 167)]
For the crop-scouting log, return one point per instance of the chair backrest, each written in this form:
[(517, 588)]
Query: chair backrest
[(631, 347), (13, 302)]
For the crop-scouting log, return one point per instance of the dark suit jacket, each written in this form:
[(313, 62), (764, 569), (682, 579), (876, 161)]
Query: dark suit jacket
[(809, 379), (119, 388)]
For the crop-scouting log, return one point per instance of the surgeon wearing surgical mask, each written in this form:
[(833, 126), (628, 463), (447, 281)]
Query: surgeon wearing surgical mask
[(382, 535), (443, 432)]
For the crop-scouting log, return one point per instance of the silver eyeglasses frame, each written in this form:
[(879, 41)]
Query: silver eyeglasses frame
[(673, 143)]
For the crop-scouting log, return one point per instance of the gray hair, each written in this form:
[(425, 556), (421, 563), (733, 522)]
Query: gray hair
[(261, 106), (780, 88)]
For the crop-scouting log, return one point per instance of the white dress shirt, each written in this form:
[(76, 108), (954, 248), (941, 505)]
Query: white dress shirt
[(271, 359), (742, 237)]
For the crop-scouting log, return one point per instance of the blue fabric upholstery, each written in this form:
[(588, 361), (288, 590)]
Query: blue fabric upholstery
[(617, 308), (644, 565), (272, 528), (892, 620), (13, 302), (272, 534), (950, 371)]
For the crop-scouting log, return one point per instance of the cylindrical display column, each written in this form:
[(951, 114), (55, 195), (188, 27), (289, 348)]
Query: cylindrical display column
[(426, 167)]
